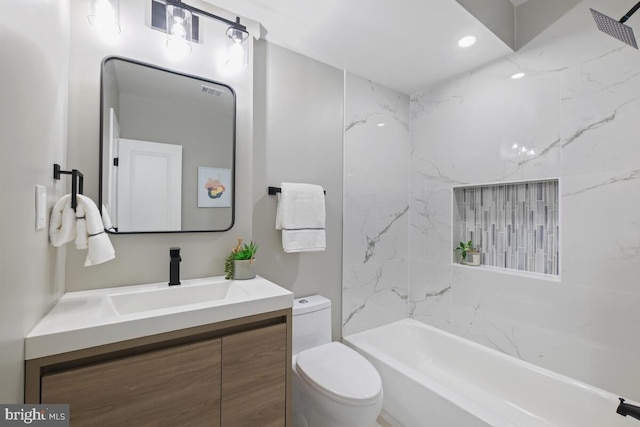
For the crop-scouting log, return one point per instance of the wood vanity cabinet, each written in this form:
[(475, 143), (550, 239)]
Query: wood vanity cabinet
[(231, 374)]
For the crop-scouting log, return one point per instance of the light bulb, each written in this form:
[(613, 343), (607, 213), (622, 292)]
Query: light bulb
[(103, 14), (178, 31)]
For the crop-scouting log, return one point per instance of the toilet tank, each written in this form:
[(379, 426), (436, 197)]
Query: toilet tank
[(311, 322)]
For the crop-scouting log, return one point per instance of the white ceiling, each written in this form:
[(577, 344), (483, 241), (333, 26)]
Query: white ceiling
[(407, 45)]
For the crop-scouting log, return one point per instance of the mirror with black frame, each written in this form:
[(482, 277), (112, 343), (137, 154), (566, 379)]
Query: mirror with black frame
[(167, 150)]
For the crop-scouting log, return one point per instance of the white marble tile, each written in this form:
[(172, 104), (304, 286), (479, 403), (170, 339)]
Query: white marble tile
[(577, 109), (430, 220), (601, 230), (374, 294), (549, 323), (376, 207), (430, 293)]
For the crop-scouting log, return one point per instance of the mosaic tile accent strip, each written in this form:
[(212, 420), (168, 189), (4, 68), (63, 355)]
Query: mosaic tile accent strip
[(514, 226)]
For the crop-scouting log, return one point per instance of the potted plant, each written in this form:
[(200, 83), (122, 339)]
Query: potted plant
[(239, 263), (468, 255)]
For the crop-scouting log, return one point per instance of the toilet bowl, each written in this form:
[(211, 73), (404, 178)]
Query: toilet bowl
[(333, 385)]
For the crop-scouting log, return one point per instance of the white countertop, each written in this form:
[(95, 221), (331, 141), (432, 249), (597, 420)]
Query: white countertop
[(89, 318)]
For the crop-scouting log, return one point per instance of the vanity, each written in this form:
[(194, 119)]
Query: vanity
[(210, 352)]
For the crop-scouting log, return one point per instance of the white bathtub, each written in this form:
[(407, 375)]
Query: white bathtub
[(434, 378)]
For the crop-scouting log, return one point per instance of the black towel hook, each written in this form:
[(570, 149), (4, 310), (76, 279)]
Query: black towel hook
[(76, 182)]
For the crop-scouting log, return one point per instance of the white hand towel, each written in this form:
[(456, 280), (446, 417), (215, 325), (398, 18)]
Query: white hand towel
[(99, 246), (106, 219), (62, 224), (303, 241), (300, 215), (84, 225), (301, 206)]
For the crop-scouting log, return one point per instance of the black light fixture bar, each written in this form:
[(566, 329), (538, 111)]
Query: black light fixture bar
[(234, 24)]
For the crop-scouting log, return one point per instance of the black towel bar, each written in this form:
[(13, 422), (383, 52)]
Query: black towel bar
[(275, 190), (77, 181)]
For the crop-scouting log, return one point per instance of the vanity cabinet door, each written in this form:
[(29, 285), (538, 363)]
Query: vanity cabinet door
[(254, 378), (176, 386)]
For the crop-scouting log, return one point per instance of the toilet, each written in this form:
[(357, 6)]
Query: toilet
[(333, 385)]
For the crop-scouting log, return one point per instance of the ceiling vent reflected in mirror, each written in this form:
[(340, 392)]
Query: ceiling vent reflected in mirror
[(210, 91)]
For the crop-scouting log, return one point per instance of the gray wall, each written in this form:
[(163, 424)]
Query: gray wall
[(298, 138), (33, 83), (145, 258), (534, 16), (496, 15)]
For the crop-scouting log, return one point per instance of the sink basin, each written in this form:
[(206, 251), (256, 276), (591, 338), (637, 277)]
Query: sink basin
[(96, 317), (173, 296)]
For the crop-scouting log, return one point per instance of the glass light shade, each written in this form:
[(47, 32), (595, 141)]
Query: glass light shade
[(237, 49), (105, 15), (179, 30)]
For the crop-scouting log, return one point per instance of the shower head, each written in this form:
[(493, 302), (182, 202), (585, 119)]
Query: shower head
[(615, 28)]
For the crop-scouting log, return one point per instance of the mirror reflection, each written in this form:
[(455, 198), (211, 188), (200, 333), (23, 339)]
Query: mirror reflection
[(167, 150)]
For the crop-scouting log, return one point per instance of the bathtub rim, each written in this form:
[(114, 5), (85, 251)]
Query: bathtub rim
[(358, 341)]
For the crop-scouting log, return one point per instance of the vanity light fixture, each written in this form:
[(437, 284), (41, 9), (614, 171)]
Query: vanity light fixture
[(105, 15), (237, 33), (467, 41)]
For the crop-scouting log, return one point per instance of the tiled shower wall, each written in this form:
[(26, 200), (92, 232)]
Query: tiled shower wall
[(375, 248), (576, 111), (513, 226)]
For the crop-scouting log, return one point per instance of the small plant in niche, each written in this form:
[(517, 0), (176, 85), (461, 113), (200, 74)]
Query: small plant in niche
[(467, 249), (240, 252)]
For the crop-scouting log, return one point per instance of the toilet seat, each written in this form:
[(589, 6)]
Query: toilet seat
[(340, 373)]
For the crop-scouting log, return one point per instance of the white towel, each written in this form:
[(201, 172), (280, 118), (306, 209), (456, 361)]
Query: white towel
[(106, 219), (301, 217), (62, 224), (303, 240), (84, 225)]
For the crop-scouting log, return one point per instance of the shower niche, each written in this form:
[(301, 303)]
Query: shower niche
[(514, 226)]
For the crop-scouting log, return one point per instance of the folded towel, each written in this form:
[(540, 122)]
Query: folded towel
[(84, 225), (301, 215), (62, 224), (300, 206), (98, 244), (303, 240)]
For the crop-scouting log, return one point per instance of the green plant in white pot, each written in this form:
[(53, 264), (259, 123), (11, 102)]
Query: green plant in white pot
[(468, 255), (239, 263)]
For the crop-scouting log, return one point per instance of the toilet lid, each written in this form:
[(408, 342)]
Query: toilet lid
[(340, 373)]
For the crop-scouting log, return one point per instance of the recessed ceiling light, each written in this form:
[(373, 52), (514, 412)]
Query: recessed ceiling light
[(380, 124), (466, 41), (517, 76)]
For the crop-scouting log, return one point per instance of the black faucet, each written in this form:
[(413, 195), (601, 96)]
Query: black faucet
[(174, 266), (625, 409)]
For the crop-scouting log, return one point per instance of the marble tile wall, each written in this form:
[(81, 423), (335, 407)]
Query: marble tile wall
[(376, 205), (513, 226), (576, 111)]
